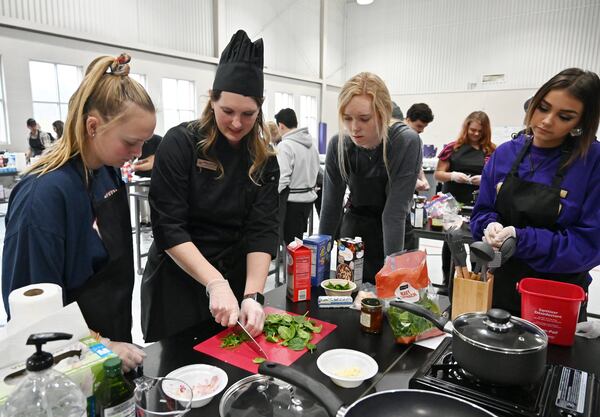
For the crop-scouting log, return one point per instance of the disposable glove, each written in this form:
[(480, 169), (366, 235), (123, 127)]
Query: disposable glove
[(131, 356), (588, 329), (502, 235), (223, 304), (422, 185), (252, 316), (475, 180), (490, 232), (459, 177)]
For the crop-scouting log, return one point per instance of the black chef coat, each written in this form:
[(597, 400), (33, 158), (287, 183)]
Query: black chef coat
[(226, 218)]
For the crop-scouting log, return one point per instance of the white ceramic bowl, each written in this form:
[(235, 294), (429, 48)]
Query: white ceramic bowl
[(337, 281), (347, 368), (198, 377)]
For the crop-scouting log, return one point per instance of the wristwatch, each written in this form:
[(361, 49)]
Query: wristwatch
[(256, 296)]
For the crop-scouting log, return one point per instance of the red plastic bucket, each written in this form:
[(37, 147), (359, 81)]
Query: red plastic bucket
[(552, 305)]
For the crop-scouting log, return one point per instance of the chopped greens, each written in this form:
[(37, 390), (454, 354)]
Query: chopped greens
[(333, 286), (233, 339), (294, 332), (258, 359)]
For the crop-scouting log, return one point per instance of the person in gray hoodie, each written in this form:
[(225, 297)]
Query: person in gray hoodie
[(298, 160)]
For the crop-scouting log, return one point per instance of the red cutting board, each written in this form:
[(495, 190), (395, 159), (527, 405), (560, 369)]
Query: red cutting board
[(243, 355)]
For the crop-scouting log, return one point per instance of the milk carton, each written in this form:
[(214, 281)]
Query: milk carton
[(320, 247), (299, 267), (351, 253)]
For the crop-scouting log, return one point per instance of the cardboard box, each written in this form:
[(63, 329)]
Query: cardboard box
[(320, 247), (350, 259), (299, 266), (81, 362)]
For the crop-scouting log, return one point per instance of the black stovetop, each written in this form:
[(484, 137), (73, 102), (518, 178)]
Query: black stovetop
[(442, 373)]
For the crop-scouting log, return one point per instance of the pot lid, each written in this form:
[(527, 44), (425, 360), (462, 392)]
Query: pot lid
[(259, 395), (498, 330)]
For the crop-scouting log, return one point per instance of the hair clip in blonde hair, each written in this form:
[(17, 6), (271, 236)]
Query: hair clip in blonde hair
[(120, 65)]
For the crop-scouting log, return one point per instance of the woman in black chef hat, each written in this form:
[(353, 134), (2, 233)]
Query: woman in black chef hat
[(214, 207)]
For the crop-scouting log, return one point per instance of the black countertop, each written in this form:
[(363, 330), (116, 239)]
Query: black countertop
[(397, 363)]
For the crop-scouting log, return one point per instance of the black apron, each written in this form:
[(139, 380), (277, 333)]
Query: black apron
[(523, 203), (368, 192), (36, 145), (470, 161), (105, 298), (172, 300)]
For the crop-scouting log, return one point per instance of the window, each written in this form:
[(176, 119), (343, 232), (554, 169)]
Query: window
[(178, 101), (283, 101), (52, 85), (3, 126), (308, 114), (140, 78)]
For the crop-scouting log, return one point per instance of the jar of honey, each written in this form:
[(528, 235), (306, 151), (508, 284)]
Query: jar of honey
[(371, 315)]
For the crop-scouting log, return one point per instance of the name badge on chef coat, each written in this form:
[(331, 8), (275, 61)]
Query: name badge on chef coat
[(206, 164)]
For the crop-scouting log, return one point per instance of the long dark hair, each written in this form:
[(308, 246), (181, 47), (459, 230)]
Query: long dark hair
[(584, 86)]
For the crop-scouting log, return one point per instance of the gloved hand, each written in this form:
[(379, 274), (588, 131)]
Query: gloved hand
[(252, 316), (588, 329), (422, 185), (459, 177), (131, 356), (502, 235), (475, 180), (223, 304), (490, 232)]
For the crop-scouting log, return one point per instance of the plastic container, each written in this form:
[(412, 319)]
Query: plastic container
[(45, 392), (553, 306)]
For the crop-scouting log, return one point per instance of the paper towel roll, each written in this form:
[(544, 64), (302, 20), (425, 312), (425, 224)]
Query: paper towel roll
[(32, 303)]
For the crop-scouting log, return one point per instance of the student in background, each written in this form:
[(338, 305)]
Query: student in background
[(274, 135), (143, 168), (460, 165), (298, 160), (418, 117), (58, 127), (37, 139)]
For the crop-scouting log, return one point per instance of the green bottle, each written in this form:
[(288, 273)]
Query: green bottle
[(114, 395)]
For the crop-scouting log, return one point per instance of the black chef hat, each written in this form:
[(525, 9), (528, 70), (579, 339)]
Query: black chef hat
[(240, 68)]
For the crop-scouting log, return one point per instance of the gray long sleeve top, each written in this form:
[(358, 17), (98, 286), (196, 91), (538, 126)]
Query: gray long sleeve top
[(404, 156)]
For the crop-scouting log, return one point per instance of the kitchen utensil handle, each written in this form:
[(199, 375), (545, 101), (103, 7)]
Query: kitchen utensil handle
[(440, 322), (319, 392), (458, 271)]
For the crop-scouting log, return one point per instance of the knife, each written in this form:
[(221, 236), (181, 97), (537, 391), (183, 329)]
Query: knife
[(254, 344)]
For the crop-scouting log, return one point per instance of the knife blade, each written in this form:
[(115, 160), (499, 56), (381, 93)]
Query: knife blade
[(253, 343)]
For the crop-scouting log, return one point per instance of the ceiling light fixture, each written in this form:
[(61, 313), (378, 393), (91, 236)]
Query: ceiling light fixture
[(364, 2)]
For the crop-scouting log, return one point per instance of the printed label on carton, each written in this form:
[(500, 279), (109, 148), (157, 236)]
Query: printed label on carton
[(299, 267)]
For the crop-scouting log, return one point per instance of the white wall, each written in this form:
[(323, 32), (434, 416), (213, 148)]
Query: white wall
[(177, 40), (423, 46), (289, 28), (178, 25), (504, 108), (436, 51)]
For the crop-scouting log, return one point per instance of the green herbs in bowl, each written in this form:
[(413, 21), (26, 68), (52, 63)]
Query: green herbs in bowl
[(336, 286)]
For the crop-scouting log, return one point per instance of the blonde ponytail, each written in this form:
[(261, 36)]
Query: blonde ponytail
[(106, 93)]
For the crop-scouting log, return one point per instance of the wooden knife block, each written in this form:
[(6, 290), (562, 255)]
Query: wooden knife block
[(469, 296)]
